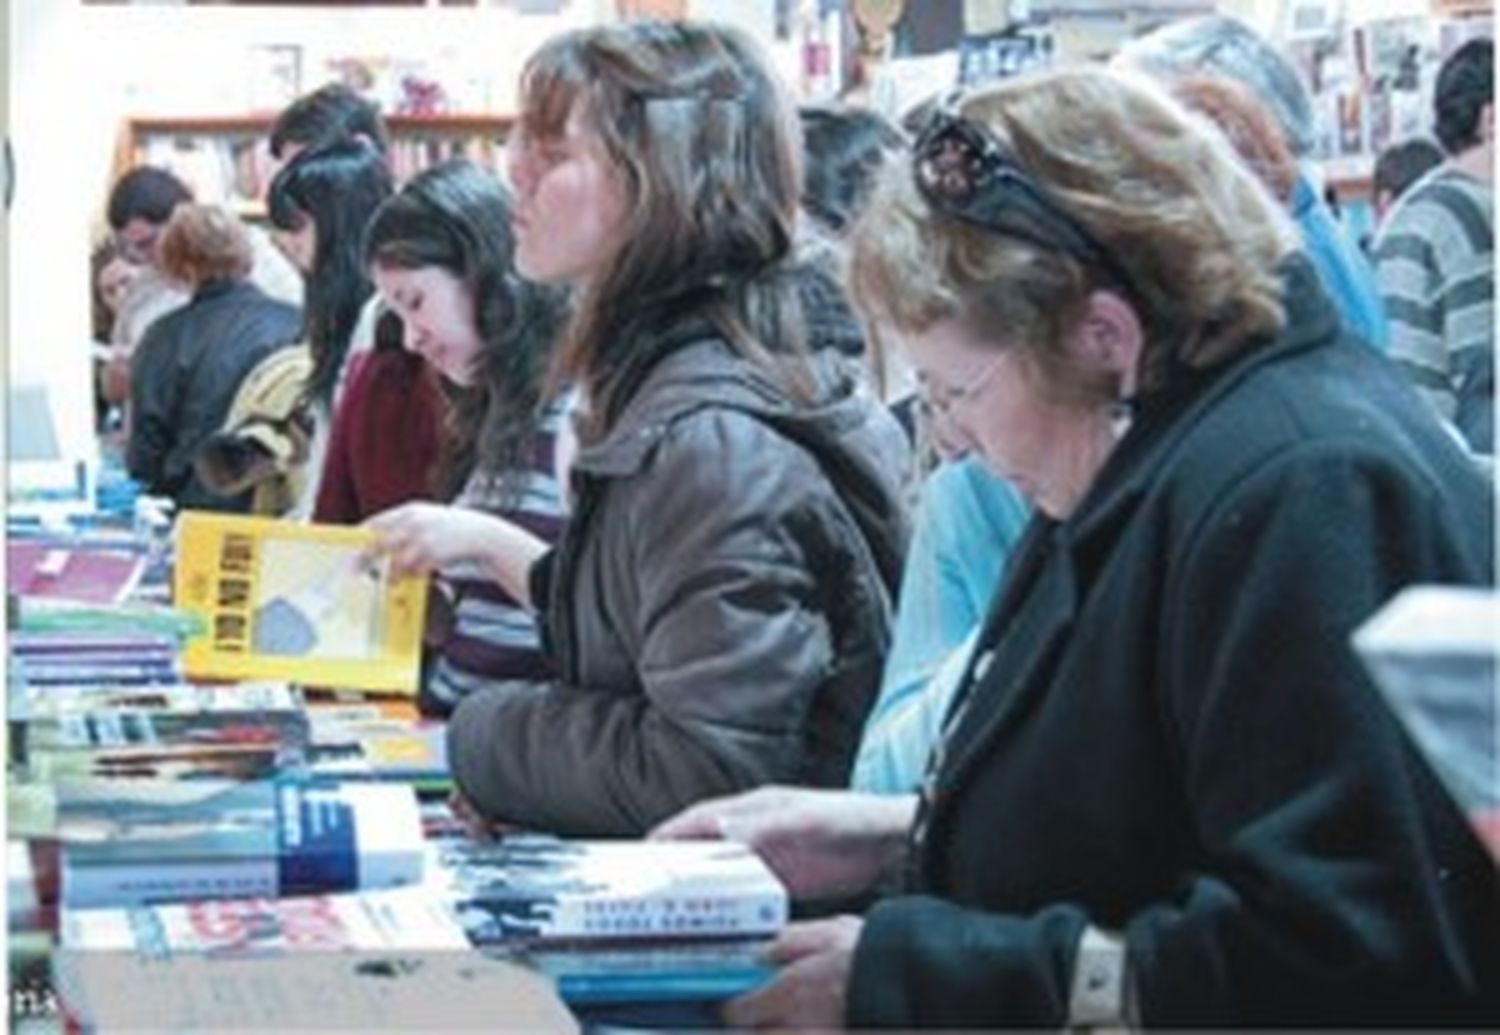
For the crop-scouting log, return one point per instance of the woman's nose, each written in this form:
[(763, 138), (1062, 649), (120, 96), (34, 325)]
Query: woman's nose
[(518, 169)]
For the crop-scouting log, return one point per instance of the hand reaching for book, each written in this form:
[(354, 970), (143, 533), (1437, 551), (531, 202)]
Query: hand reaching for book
[(812, 989), (821, 844)]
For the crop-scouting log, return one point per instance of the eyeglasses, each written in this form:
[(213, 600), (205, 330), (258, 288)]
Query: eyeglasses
[(942, 400), (964, 171)]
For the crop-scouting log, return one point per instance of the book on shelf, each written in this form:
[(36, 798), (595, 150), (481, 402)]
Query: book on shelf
[(304, 602), (151, 841), (1432, 652), (531, 889)]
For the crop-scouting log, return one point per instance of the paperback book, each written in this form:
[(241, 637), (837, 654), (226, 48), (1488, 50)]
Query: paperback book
[(363, 746), (1432, 651), (307, 992), (32, 703), (669, 972), (303, 602), (399, 918), (160, 745), (533, 889), (153, 841), (37, 568)]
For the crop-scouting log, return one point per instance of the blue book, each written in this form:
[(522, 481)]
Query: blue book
[(161, 841), (667, 972)]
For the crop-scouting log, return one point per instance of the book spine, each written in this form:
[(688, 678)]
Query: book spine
[(116, 884)]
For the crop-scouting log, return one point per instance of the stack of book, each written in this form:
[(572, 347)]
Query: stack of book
[(618, 921)]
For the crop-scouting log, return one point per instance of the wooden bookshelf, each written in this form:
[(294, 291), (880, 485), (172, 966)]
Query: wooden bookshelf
[(225, 159)]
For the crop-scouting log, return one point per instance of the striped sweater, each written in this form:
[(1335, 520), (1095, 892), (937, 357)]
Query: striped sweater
[(493, 637), (1435, 263)]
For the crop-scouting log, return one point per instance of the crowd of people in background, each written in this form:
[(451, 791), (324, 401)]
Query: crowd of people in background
[(971, 514)]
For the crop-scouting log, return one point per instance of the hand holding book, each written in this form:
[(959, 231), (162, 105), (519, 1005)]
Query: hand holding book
[(432, 537), (821, 844)]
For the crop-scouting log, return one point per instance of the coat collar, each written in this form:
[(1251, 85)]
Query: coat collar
[(1031, 620), (1165, 418)]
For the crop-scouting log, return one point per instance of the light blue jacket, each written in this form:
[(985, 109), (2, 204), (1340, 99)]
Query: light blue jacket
[(1347, 275), (966, 523)]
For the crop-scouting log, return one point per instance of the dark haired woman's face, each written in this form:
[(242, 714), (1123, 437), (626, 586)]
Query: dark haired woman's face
[(437, 315), (300, 246), (570, 205)]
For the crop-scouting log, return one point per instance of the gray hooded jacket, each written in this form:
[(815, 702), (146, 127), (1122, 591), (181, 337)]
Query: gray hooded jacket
[(718, 608)]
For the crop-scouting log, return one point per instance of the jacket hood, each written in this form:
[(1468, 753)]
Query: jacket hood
[(857, 443), (701, 372)]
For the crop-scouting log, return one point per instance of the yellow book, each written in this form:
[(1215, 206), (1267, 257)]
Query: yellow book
[(306, 603)]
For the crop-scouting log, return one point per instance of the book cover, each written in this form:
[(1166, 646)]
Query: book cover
[(1432, 651), (98, 576), (307, 992), (302, 602), (157, 841), (532, 888), (400, 918)]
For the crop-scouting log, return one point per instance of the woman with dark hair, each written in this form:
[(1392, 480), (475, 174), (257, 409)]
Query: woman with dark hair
[(719, 603), (442, 253), (319, 203)]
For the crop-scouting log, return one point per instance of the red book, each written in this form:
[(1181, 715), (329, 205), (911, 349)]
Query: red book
[(93, 576)]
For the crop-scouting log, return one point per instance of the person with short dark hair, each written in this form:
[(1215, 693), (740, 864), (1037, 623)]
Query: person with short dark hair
[(140, 203), (843, 150), (1398, 168), (328, 114), (1435, 255), (191, 361)]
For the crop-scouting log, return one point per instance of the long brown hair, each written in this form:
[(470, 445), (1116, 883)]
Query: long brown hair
[(707, 146)]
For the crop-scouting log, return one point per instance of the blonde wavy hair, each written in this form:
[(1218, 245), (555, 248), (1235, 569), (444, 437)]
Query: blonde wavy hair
[(1199, 237)]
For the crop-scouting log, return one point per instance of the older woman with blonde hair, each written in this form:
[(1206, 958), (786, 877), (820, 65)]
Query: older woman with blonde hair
[(189, 365), (1167, 792)]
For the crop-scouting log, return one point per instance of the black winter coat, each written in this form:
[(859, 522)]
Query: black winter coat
[(184, 375), (1169, 734)]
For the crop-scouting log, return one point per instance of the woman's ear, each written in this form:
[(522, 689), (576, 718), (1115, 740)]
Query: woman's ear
[(1110, 339)]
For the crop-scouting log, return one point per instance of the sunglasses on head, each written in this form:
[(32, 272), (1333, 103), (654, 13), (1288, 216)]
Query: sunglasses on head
[(965, 172)]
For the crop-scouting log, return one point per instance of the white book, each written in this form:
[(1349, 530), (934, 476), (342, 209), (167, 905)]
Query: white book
[(307, 992), (401, 918), (179, 841), (533, 888), (1432, 651), (72, 699)]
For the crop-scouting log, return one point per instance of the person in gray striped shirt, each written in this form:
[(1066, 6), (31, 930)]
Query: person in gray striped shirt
[(1435, 255), (442, 253)]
